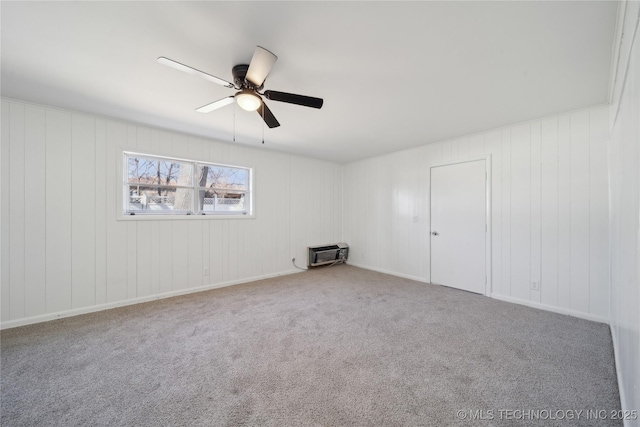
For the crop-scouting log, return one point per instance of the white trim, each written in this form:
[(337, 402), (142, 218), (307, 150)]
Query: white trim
[(532, 304), (192, 217), (144, 216), (483, 132), (622, 81), (180, 159), (85, 310), (545, 307), (461, 160), (391, 273), (617, 42), (488, 222), (616, 357), (489, 231)]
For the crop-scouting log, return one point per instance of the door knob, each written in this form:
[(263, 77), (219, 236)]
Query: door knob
[(435, 233)]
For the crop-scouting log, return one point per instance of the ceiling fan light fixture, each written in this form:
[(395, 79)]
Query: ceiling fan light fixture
[(248, 100), (248, 81)]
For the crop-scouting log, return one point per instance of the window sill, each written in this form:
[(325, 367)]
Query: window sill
[(152, 217)]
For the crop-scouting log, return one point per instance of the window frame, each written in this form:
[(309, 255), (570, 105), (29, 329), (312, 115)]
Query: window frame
[(196, 211)]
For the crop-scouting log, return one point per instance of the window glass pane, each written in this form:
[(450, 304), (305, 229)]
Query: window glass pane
[(158, 199), (222, 201), (160, 185), (158, 171), (221, 177)]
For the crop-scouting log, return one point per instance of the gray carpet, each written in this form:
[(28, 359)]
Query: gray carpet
[(337, 346)]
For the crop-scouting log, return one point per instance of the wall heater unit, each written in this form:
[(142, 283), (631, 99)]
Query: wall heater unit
[(327, 254)]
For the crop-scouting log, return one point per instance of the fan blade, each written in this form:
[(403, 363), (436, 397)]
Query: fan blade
[(215, 105), (185, 68), (260, 65), (292, 98), (268, 116)]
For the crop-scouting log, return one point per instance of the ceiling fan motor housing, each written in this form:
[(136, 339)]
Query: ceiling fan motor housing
[(239, 78), (248, 95)]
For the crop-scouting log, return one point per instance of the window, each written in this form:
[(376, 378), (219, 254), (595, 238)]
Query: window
[(161, 185)]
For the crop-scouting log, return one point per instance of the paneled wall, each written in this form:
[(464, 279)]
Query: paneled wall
[(65, 251), (624, 158), (549, 218)]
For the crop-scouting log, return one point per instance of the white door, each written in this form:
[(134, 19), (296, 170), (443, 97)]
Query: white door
[(458, 225)]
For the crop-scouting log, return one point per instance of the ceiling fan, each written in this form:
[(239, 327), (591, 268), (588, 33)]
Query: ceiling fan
[(248, 81)]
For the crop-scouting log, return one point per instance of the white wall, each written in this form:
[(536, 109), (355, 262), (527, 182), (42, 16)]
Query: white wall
[(549, 210), (624, 163), (64, 251)]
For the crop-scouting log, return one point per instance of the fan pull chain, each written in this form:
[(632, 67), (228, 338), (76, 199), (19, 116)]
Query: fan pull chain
[(263, 123), (234, 122)]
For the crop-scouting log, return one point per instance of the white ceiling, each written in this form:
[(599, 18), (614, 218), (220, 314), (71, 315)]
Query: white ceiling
[(393, 74)]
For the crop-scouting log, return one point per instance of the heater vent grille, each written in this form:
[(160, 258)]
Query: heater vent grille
[(327, 254)]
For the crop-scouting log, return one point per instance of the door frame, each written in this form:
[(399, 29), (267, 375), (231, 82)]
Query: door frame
[(488, 233)]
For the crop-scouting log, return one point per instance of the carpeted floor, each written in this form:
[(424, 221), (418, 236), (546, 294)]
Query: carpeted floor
[(338, 346)]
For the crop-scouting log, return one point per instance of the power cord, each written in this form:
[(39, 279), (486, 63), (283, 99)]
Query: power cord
[(338, 261), (293, 260)]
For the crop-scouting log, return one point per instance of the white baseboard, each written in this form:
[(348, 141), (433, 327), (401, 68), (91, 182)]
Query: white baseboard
[(616, 357), (391, 273), (568, 312), (100, 307), (106, 306), (559, 310)]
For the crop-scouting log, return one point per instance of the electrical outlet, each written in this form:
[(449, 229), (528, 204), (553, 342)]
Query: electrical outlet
[(205, 272), (535, 285)]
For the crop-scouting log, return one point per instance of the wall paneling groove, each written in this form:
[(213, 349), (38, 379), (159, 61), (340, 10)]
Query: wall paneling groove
[(548, 223), (66, 251)]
